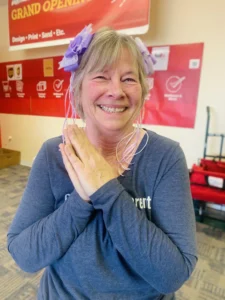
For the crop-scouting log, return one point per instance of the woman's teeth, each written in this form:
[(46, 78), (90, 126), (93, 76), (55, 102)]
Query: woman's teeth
[(111, 109)]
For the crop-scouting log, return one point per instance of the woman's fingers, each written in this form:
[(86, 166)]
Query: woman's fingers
[(92, 169), (66, 151), (77, 142), (80, 142), (72, 157), (65, 133)]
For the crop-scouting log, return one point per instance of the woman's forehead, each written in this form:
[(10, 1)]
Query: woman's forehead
[(125, 62)]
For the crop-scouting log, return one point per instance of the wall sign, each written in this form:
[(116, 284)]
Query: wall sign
[(39, 88), (174, 85), (37, 23)]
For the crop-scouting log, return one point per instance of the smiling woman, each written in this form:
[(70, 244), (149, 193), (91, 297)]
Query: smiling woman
[(110, 215)]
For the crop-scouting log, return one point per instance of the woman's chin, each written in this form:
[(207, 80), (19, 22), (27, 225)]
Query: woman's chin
[(115, 126)]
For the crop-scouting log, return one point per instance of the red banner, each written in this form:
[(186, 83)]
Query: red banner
[(34, 23), (174, 86), (37, 87), (40, 90)]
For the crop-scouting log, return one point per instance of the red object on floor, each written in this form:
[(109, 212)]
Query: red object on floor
[(212, 165), (203, 177), (199, 175), (207, 194)]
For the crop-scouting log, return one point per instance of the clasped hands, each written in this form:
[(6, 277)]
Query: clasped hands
[(86, 167)]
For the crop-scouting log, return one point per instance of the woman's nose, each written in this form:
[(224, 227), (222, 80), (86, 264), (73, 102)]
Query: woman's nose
[(115, 89)]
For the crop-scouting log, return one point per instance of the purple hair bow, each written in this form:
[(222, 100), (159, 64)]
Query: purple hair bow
[(149, 60), (76, 49)]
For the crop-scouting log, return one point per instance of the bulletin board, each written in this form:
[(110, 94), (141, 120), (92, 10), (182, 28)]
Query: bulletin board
[(38, 87)]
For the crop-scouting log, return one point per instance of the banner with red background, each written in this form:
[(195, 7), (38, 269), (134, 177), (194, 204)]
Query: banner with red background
[(36, 23), (174, 85), (38, 90), (37, 87)]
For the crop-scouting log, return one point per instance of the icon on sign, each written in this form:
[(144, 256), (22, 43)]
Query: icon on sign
[(58, 85), (42, 86), (174, 83), (10, 70), (6, 87), (194, 63), (18, 72), (19, 86), (14, 72)]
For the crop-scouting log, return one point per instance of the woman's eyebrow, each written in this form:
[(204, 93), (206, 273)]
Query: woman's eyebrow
[(130, 73), (124, 74)]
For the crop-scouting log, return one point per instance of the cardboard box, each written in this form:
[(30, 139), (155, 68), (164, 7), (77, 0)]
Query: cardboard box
[(9, 158)]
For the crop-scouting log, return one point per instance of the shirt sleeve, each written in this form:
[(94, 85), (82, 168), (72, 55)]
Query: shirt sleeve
[(163, 250), (39, 234)]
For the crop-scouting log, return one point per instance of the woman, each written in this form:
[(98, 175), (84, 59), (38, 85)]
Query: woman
[(110, 215)]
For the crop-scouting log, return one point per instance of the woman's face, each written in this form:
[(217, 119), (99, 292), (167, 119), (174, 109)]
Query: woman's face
[(111, 100)]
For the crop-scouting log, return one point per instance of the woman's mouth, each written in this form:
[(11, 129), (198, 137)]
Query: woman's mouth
[(112, 109)]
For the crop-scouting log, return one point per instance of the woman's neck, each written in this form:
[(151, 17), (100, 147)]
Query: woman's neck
[(107, 143)]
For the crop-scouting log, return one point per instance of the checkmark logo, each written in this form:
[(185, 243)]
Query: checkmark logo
[(58, 85)]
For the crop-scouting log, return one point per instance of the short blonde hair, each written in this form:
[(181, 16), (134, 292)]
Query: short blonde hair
[(105, 50)]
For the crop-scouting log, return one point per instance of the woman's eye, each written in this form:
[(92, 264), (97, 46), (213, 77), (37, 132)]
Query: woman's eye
[(129, 79), (100, 77)]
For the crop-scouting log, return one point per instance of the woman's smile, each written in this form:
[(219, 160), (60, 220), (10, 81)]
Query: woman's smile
[(110, 109)]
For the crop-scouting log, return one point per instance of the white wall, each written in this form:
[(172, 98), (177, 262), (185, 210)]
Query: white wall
[(172, 22)]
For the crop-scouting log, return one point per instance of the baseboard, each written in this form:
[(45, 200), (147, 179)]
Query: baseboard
[(26, 163)]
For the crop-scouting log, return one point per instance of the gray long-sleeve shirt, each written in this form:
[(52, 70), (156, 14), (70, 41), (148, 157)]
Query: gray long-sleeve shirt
[(136, 240)]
